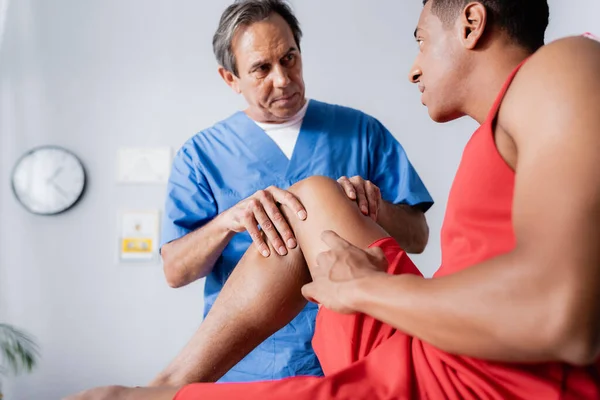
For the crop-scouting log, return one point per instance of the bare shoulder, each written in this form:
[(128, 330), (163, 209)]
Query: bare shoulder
[(562, 56), (560, 80)]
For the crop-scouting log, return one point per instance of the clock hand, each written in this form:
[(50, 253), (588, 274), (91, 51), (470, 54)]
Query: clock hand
[(60, 190), (55, 174)]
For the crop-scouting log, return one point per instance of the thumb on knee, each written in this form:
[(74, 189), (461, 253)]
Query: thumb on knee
[(309, 292)]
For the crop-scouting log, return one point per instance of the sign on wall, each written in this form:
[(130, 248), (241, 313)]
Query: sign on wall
[(144, 165), (139, 236)]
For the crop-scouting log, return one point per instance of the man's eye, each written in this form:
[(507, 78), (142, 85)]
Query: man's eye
[(261, 71), (289, 60)]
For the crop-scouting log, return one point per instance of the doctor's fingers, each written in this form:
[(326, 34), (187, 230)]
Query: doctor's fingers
[(281, 227), (361, 195), (354, 188), (348, 187), (256, 215), (277, 226), (288, 199), (374, 199)]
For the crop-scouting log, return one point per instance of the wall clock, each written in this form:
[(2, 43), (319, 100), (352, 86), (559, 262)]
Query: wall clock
[(48, 180)]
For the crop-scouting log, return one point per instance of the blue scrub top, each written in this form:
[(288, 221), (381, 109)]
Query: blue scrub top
[(229, 162)]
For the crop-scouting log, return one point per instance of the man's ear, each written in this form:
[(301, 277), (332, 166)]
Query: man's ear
[(473, 23), (230, 79)]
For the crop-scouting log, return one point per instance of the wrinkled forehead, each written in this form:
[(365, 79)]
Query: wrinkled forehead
[(263, 39)]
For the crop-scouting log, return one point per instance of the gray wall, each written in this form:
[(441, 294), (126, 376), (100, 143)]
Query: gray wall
[(93, 76)]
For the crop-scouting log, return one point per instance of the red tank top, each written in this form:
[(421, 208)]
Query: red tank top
[(477, 227), (478, 221)]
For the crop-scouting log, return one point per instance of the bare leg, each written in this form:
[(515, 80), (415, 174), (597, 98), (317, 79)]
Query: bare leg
[(260, 297), (123, 393), (263, 294)]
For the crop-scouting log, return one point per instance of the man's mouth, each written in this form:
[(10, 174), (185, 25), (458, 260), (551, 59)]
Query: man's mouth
[(284, 98)]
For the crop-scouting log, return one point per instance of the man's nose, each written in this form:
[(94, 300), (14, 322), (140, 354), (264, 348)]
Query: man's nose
[(415, 74), (280, 77)]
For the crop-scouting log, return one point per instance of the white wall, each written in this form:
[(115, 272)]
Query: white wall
[(93, 76)]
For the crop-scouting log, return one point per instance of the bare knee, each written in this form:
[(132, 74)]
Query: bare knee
[(318, 188), (329, 208)]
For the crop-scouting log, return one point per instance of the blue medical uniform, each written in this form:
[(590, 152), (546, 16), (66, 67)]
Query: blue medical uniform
[(229, 162)]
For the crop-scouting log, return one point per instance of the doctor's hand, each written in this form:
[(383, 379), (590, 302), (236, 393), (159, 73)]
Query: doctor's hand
[(261, 209), (365, 193), (337, 271)]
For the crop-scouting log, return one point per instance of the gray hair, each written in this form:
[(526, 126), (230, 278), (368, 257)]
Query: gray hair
[(245, 13)]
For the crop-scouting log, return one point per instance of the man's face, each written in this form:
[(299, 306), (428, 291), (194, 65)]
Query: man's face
[(440, 67), (270, 70)]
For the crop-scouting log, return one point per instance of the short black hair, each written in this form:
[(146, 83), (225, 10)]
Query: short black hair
[(525, 21), (245, 13)]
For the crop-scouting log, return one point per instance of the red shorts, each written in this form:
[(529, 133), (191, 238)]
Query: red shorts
[(366, 359)]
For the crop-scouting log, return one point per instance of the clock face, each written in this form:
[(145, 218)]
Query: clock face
[(48, 180)]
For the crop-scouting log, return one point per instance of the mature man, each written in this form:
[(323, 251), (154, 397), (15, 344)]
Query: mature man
[(513, 312), (228, 179)]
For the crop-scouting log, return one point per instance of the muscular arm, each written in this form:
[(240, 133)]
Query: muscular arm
[(406, 224), (539, 302), (193, 256)]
